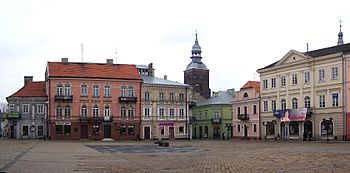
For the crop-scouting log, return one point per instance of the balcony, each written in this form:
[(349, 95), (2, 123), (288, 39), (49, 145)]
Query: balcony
[(64, 98), (107, 119), (127, 99), (216, 120), (243, 117)]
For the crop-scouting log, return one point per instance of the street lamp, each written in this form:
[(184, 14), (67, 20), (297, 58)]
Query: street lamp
[(228, 126), (327, 126)]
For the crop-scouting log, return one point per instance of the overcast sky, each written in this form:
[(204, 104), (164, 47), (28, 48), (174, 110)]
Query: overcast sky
[(237, 37)]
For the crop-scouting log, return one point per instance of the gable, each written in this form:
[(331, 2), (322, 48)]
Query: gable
[(291, 57)]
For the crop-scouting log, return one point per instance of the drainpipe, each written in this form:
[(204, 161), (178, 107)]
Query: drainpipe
[(260, 128), (344, 96), (186, 101)]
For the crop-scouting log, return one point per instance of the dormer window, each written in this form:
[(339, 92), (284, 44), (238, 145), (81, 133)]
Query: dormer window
[(245, 95)]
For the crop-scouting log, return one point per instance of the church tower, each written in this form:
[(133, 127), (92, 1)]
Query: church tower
[(340, 36), (197, 73)]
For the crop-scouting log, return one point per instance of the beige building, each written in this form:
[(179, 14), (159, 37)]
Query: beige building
[(302, 95), (165, 107)]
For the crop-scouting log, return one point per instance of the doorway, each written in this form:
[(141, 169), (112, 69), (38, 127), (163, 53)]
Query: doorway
[(171, 133), (200, 132), (147, 133), (308, 130), (245, 131), (107, 131), (83, 132)]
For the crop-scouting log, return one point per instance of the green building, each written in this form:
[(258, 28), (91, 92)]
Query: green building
[(213, 117)]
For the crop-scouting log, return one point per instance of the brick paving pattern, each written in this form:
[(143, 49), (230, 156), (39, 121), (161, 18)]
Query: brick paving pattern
[(180, 156)]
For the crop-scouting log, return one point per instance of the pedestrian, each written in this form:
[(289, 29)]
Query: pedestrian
[(223, 136)]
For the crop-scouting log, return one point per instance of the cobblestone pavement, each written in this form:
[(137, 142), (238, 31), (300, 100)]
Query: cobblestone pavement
[(181, 156)]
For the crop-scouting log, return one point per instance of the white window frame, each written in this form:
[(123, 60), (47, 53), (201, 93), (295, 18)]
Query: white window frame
[(265, 84), (273, 82), (321, 75), (335, 102), (67, 90), (273, 105), (95, 90), (294, 103), (294, 79), (322, 101), (131, 91), (265, 103), (283, 81), (84, 90), (25, 108), (334, 73), (40, 109), (307, 77), (107, 91)]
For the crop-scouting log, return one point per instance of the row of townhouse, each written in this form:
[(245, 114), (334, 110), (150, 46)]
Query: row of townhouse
[(99, 100)]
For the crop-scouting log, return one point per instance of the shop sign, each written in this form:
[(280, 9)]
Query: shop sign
[(166, 124), (63, 123), (291, 114)]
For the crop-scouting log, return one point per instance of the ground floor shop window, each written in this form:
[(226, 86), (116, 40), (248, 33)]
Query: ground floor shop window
[(131, 130), (123, 130), (294, 128), (162, 130), (96, 129), (270, 128), (181, 130), (326, 127), (25, 131), (40, 130), (67, 130), (59, 129)]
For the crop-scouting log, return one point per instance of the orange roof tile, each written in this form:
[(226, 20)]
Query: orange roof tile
[(252, 84), (92, 70), (31, 89)]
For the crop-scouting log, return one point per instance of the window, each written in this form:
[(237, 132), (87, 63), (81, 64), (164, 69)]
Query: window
[(283, 104), (322, 101), (67, 110), (265, 106), (130, 130), (245, 110), (273, 105), (131, 91), (67, 90), (239, 128), (254, 109), (245, 95), (58, 110), (254, 128), (95, 90), (67, 130), (161, 96), (283, 81), (59, 90), (161, 112), (326, 126), (40, 130), (238, 110), (84, 110), (25, 109), (12, 107), (264, 84), (122, 130), (123, 112), (40, 109), (181, 130), (171, 112), (146, 112), (95, 129), (107, 91), (123, 91), (181, 113), (171, 96), (273, 83), (25, 131), (181, 97), (321, 75), (334, 72), (107, 111), (294, 79), (147, 96), (216, 115), (294, 128), (59, 129), (83, 90), (294, 103), (306, 77), (95, 111), (335, 99), (131, 112), (307, 102)]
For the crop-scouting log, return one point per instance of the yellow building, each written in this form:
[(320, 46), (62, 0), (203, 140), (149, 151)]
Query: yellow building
[(301, 95)]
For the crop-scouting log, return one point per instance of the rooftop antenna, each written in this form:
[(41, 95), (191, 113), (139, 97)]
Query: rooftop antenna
[(307, 47), (116, 57), (82, 52)]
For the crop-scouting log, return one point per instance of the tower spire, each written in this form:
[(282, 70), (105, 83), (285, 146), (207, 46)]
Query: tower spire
[(340, 35)]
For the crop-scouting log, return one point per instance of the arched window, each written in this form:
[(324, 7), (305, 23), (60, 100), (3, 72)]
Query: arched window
[(131, 111), (326, 127), (307, 102), (84, 110), (283, 104), (294, 103), (245, 95), (122, 112), (294, 128), (67, 110), (107, 111), (95, 111)]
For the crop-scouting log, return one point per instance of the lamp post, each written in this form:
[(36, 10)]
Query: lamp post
[(228, 126), (327, 126)]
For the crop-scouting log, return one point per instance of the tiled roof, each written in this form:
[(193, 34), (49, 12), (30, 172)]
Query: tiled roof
[(159, 81), (220, 98), (252, 84), (31, 89), (92, 70)]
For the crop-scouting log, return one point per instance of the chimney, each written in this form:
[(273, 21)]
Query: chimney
[(150, 70), (28, 79), (110, 61), (165, 77), (65, 60)]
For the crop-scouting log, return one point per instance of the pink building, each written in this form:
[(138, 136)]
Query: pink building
[(93, 100), (347, 98), (245, 108)]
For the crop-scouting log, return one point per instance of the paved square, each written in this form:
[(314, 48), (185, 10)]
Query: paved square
[(180, 156)]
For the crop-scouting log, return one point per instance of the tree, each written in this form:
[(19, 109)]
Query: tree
[(3, 107)]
